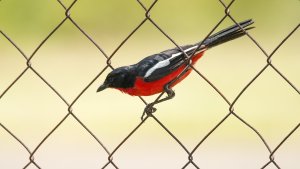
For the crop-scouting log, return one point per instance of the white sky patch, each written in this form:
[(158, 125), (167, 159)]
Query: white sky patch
[(166, 62)]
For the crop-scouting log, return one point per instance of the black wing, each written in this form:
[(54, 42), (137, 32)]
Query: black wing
[(159, 65)]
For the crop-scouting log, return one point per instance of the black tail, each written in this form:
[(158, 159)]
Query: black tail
[(228, 34)]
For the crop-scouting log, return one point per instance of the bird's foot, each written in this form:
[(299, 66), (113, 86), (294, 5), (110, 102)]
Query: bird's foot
[(149, 109), (169, 92)]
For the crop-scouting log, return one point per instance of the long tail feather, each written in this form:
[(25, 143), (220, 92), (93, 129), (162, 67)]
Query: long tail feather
[(228, 34)]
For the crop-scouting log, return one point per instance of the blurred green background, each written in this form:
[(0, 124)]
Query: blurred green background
[(69, 62)]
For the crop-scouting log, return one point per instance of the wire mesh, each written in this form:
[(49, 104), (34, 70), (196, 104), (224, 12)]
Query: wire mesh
[(147, 18)]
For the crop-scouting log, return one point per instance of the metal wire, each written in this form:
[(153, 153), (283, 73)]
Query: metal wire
[(189, 153)]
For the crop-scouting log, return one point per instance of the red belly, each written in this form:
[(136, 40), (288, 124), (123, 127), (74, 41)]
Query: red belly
[(143, 88)]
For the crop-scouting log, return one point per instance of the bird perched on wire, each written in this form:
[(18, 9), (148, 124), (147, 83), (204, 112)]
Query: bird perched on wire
[(160, 72)]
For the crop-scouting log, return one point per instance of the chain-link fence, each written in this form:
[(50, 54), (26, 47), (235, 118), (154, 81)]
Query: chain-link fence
[(111, 153)]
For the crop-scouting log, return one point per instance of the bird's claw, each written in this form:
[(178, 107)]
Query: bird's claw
[(169, 92), (149, 109)]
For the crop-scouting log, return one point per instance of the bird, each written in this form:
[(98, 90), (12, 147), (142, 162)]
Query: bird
[(160, 72)]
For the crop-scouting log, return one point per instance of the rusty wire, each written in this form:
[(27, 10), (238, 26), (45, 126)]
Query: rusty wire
[(110, 154)]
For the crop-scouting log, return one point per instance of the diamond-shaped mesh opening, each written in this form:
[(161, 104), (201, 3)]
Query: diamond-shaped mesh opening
[(21, 114), (145, 145), (232, 153), (105, 119), (208, 114), (70, 146), (95, 21), (256, 106), (67, 61), (29, 21), (225, 73)]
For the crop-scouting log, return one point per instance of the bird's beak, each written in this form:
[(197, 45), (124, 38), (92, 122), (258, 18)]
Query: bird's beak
[(102, 87)]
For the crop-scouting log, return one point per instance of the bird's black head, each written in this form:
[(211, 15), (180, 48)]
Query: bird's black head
[(122, 77)]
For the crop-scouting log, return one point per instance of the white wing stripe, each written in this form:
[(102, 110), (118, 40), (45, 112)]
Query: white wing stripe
[(166, 62), (157, 66)]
